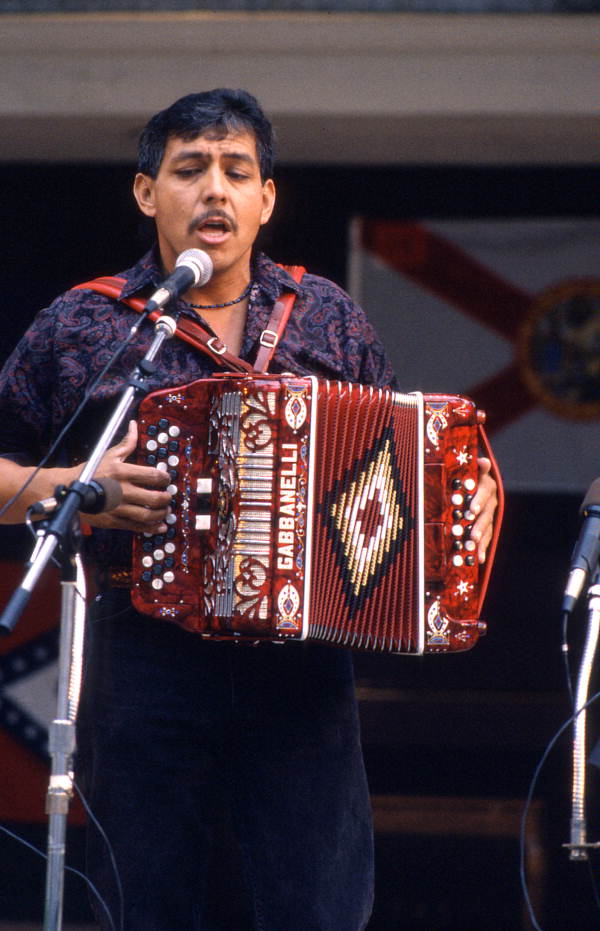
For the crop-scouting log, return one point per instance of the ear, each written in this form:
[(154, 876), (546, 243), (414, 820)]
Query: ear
[(143, 191), (268, 193)]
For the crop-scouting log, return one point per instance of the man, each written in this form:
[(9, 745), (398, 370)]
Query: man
[(168, 721)]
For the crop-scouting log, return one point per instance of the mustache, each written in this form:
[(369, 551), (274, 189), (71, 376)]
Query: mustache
[(216, 213)]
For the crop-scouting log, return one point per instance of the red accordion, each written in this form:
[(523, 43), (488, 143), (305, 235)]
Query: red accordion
[(311, 509)]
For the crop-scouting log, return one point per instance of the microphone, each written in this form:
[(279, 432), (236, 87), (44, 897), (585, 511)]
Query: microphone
[(193, 267), (96, 496), (587, 549)]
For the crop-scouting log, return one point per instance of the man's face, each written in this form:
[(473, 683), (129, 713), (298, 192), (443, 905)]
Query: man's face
[(208, 194)]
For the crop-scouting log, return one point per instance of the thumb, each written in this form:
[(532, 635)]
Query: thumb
[(128, 443)]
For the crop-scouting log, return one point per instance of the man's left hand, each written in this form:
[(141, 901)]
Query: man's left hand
[(484, 505)]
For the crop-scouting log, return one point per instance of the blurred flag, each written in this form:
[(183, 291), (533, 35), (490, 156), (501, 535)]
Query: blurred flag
[(506, 312)]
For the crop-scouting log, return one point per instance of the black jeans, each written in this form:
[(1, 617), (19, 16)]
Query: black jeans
[(165, 718)]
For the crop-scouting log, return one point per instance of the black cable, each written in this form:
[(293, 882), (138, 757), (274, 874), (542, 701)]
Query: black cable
[(550, 746), (70, 869)]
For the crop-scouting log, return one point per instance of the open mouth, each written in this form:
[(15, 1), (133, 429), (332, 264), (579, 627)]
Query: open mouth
[(214, 228)]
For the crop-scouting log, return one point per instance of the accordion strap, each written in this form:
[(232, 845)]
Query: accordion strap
[(194, 333), (491, 552)]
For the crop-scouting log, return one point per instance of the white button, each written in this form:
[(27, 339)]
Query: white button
[(162, 466), (158, 555), (457, 530), (172, 489), (147, 562), (170, 547), (171, 519), (173, 460), (457, 561), (163, 438), (169, 576), (157, 584), (470, 545), (151, 445), (457, 500), (174, 430), (470, 484)]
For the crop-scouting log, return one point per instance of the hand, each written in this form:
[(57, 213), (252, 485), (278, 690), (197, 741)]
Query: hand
[(484, 504), (145, 504)]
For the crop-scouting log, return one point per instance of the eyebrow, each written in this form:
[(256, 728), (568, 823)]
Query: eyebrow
[(198, 153)]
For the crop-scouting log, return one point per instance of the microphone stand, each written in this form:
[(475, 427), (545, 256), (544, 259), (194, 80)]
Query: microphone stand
[(62, 530), (579, 845)]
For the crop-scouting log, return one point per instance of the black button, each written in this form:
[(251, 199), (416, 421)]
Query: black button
[(470, 560), (146, 576), (163, 423), (151, 459), (152, 430)]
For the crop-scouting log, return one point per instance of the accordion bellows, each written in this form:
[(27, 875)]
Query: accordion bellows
[(310, 509)]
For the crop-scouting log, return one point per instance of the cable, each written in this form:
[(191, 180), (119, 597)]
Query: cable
[(550, 746), (70, 869), (111, 854)]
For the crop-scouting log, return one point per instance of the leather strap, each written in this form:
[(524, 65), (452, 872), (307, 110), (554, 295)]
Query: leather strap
[(195, 334), (491, 551)]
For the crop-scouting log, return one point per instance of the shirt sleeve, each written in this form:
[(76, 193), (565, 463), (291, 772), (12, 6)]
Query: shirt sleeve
[(26, 390)]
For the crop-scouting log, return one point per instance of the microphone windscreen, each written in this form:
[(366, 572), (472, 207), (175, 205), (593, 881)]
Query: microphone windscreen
[(200, 263)]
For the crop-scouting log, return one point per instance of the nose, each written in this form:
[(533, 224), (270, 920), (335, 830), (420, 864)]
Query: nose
[(214, 189)]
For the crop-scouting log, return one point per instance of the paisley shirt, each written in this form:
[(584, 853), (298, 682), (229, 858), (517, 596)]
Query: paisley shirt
[(71, 341)]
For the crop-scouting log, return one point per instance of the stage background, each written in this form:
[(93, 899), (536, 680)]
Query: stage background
[(471, 726)]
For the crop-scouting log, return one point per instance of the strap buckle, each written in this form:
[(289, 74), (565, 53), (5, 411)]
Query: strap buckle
[(269, 339), (219, 350)]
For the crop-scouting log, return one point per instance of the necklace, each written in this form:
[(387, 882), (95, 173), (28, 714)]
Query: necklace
[(242, 296)]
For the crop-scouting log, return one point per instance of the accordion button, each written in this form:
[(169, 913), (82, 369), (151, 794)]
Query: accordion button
[(169, 577), (470, 546), (162, 452), (470, 484), (172, 489), (163, 423), (162, 466), (169, 563), (470, 560), (457, 515), (170, 547), (457, 530), (147, 562), (173, 461), (163, 438), (457, 546), (469, 515), (152, 430), (170, 518), (158, 555), (146, 576), (173, 446), (151, 460), (151, 445), (457, 500), (157, 584), (174, 430), (170, 533), (456, 483), (457, 561)]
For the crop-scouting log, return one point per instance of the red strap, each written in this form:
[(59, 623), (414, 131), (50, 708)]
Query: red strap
[(491, 552), (277, 321), (195, 334)]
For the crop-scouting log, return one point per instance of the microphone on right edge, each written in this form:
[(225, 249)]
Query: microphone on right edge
[(587, 549)]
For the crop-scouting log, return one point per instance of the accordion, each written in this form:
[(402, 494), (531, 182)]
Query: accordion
[(312, 509)]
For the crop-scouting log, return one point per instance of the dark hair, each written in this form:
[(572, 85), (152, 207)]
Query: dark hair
[(221, 111)]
